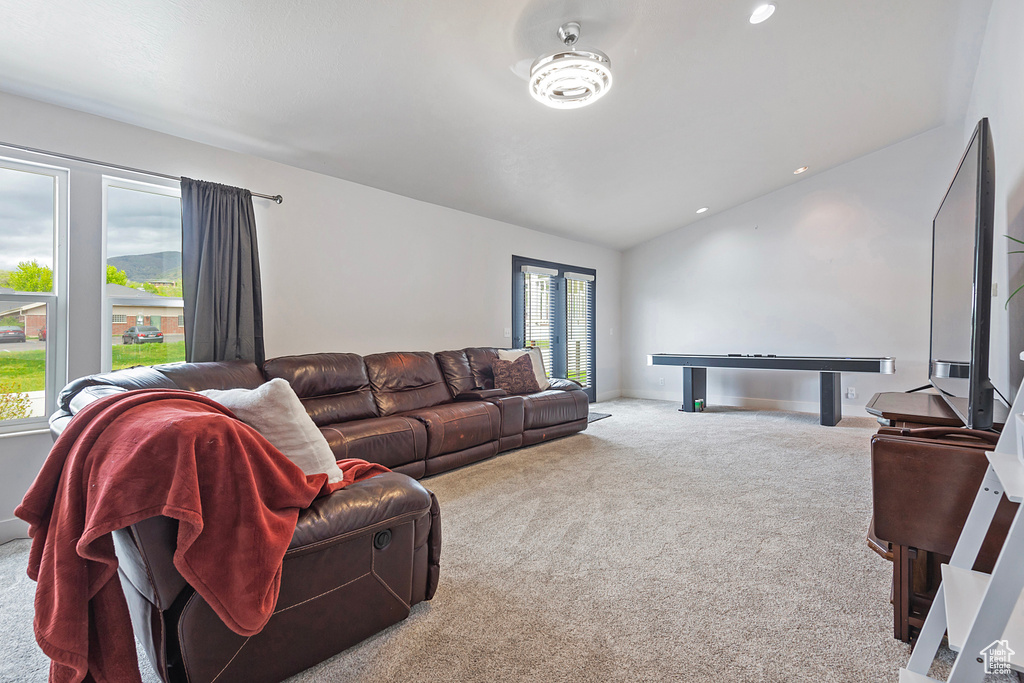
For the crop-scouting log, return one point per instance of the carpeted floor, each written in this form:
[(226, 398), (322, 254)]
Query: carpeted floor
[(724, 546)]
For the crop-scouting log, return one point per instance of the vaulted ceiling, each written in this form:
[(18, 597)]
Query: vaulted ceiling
[(426, 99)]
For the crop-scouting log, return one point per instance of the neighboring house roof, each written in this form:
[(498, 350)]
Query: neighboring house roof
[(20, 310), (121, 293), (113, 292)]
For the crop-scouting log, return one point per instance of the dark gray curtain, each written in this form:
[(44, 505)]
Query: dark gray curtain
[(220, 274)]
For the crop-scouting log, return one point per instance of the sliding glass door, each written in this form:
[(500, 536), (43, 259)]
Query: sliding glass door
[(553, 309)]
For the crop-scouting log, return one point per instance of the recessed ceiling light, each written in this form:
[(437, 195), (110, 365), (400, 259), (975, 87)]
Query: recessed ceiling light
[(702, 209), (761, 13), (800, 170)]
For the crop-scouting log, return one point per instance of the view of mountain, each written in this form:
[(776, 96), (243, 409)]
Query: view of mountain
[(163, 265)]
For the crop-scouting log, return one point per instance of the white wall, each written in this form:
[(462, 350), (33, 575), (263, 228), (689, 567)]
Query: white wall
[(837, 264), (345, 267), (999, 95)]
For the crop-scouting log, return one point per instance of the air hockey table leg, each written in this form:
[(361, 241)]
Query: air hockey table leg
[(695, 386), (831, 407)]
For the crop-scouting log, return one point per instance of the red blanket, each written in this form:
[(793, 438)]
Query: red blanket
[(154, 452)]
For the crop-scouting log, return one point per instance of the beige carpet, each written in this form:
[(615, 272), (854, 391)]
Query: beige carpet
[(656, 546)]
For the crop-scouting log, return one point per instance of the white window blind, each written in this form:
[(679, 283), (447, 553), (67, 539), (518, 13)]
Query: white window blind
[(579, 325), (538, 318), (538, 270)]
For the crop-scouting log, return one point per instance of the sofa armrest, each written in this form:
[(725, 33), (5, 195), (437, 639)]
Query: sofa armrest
[(564, 384), (91, 395), (480, 394), (379, 500), (512, 411), (60, 419)]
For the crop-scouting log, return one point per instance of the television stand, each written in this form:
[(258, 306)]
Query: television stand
[(900, 409)]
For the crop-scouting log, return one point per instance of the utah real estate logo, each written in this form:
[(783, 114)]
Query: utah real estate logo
[(997, 657)]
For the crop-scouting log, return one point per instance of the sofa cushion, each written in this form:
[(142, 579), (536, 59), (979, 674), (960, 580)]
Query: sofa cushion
[(404, 381), (457, 373), (554, 407), (480, 360), (390, 441), (333, 387), (515, 376), (457, 426), (275, 411), (229, 374)]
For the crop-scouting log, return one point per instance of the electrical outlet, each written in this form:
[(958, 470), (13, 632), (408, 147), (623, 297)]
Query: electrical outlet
[(995, 289), (851, 392), (508, 332), (661, 381)]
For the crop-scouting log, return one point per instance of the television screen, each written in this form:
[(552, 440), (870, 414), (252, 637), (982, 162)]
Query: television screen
[(962, 285)]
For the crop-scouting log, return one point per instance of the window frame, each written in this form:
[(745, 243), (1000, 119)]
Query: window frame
[(166, 188), (560, 323), (56, 301)]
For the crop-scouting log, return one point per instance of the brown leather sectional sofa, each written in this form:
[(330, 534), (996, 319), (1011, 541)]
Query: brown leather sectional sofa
[(423, 413), (359, 558)]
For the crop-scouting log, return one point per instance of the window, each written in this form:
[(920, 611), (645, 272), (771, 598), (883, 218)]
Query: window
[(553, 309), (142, 224), (33, 219)]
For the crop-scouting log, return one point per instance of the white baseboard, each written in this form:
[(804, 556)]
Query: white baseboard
[(608, 396), (11, 529)]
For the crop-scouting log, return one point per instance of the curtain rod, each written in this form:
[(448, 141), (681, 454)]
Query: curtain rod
[(275, 198)]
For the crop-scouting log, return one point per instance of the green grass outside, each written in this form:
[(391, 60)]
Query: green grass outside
[(26, 370), (125, 356), (22, 370)]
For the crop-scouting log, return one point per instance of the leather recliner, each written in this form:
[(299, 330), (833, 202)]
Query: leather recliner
[(359, 559)]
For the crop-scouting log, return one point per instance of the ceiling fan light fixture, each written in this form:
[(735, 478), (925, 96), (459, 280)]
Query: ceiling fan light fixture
[(570, 78)]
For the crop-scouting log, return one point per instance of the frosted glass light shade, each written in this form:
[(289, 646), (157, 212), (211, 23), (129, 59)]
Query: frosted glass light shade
[(569, 79)]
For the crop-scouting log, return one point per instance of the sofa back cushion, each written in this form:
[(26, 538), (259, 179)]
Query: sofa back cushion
[(333, 387), (230, 374), (404, 381), (480, 361), (457, 373)]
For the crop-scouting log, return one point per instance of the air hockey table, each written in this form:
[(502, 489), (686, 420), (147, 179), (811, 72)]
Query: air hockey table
[(695, 374)]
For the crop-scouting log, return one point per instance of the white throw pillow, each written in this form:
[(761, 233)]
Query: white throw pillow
[(535, 358), (274, 410)]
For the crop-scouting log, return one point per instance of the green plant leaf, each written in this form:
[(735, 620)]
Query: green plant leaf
[(1007, 304)]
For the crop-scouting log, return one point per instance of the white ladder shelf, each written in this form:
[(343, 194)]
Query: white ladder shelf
[(976, 609)]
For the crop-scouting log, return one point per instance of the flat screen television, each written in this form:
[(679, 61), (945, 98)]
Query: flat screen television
[(962, 236)]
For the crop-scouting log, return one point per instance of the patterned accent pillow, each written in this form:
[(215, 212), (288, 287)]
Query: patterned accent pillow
[(515, 376)]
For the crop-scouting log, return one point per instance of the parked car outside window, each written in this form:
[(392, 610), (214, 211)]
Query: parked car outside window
[(142, 334), (11, 333)]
